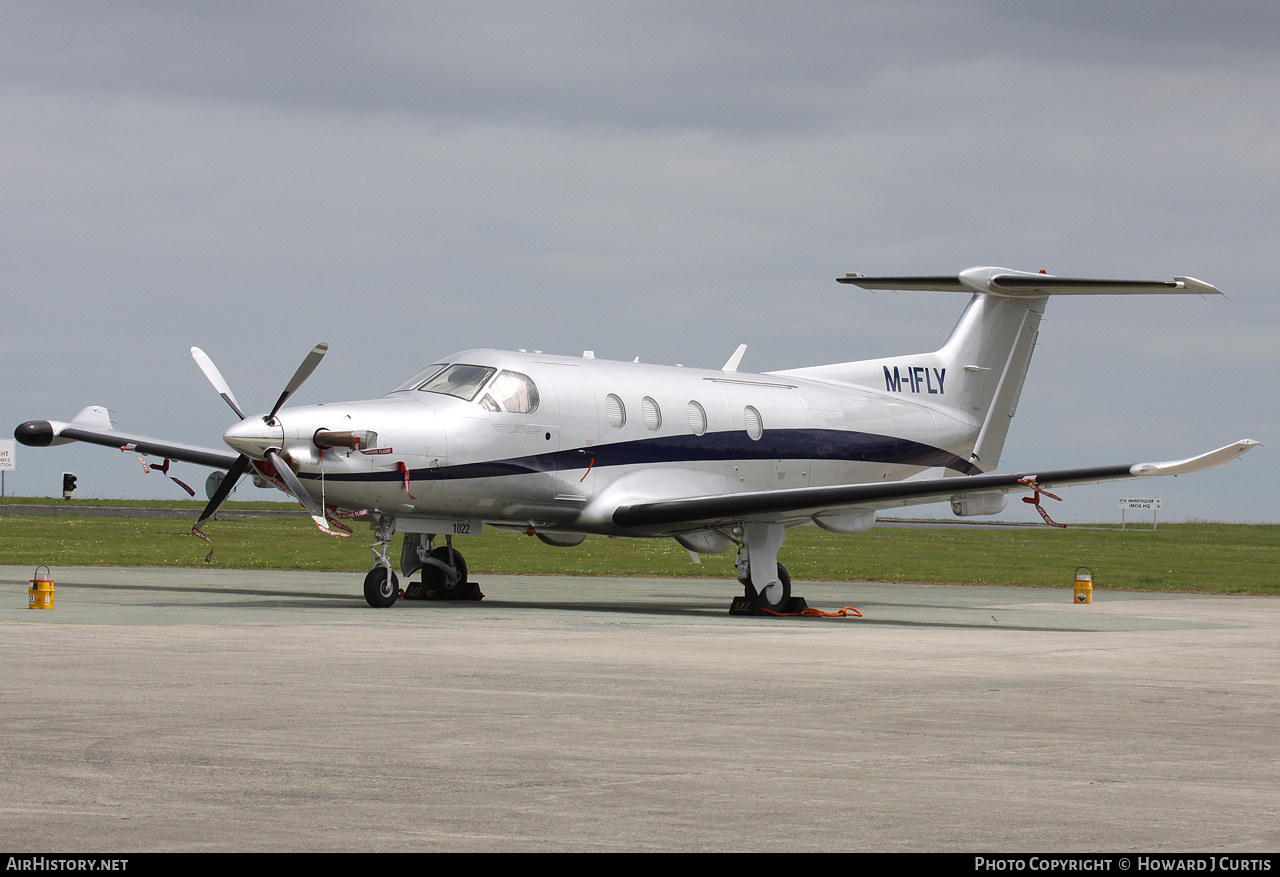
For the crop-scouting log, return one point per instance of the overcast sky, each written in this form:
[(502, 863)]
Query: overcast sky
[(662, 180)]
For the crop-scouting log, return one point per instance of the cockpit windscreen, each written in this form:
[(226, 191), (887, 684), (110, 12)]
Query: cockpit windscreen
[(460, 380)]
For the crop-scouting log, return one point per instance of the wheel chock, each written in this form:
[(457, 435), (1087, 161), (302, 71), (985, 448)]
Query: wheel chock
[(469, 591), (751, 606)]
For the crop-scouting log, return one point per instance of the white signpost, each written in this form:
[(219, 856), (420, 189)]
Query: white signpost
[(8, 462), (1150, 505)]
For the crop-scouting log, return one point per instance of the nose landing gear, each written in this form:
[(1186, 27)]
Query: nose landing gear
[(381, 587)]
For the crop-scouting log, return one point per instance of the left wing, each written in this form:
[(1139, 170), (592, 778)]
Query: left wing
[(772, 505)]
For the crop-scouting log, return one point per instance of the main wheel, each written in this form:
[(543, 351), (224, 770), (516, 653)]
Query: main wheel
[(381, 587), (781, 594), (434, 578)]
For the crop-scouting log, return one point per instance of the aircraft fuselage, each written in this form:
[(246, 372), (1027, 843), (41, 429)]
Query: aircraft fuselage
[(603, 433)]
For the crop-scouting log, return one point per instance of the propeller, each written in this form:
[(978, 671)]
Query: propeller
[(304, 371), (215, 377), (273, 455), (238, 468), (295, 487)]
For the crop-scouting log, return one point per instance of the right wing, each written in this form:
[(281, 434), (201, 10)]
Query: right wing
[(93, 425)]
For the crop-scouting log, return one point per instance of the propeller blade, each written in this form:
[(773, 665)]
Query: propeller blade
[(215, 377), (295, 487), (238, 468), (304, 371)]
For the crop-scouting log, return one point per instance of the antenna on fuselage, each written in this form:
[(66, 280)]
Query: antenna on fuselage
[(735, 360)]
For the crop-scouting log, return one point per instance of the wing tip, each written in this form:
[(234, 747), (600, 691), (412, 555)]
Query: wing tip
[(1211, 460)]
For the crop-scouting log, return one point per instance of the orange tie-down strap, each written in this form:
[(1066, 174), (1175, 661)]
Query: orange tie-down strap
[(810, 612)]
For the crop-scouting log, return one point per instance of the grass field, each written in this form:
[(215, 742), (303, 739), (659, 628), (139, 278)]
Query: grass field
[(1206, 558)]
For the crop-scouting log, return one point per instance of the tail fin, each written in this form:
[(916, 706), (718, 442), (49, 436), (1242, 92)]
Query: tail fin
[(979, 371), (990, 352)]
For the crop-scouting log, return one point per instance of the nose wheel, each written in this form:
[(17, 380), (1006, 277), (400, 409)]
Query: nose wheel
[(381, 587)]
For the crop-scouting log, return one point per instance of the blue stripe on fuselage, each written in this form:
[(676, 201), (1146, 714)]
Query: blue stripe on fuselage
[(776, 444)]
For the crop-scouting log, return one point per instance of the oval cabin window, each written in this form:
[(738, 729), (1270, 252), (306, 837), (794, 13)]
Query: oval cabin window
[(697, 418), (755, 426), (616, 411), (652, 413)]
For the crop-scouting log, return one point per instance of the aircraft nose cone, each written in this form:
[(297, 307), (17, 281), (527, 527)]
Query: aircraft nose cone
[(253, 436)]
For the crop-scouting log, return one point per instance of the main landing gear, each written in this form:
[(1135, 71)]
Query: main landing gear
[(444, 570), (766, 586)]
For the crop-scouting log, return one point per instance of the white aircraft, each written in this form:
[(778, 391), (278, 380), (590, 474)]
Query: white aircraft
[(563, 447)]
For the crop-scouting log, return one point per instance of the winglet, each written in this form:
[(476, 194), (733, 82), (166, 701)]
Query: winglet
[(1193, 285), (1195, 464)]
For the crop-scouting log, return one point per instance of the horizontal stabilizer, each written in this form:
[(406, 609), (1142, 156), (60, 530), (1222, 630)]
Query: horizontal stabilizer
[(1006, 282)]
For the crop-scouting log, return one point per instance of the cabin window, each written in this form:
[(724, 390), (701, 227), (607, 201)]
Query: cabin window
[(652, 413), (515, 392), (697, 418), (755, 426), (616, 411), (462, 381)]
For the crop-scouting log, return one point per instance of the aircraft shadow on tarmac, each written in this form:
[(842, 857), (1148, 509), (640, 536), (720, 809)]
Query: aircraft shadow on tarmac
[(890, 613), (285, 596), (719, 611)]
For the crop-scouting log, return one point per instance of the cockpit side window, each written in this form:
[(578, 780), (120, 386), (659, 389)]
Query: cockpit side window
[(462, 381), (516, 392)]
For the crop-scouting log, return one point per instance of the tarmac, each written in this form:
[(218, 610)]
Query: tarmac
[(215, 710)]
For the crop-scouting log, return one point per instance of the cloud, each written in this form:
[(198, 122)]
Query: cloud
[(664, 180)]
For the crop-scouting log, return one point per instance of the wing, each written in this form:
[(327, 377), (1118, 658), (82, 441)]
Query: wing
[(798, 503), (93, 425)]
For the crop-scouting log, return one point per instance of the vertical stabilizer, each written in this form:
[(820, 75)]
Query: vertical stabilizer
[(990, 352)]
